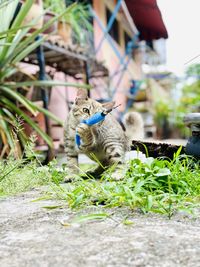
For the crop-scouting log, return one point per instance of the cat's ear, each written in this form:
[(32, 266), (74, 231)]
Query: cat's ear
[(108, 105), (82, 94)]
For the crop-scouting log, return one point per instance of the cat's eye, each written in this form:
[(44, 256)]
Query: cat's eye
[(86, 110)]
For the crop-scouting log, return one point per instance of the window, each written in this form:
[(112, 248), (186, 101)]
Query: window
[(114, 31), (150, 44), (127, 38)]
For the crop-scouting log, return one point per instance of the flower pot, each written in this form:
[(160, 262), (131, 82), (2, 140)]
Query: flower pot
[(141, 95), (192, 120), (65, 31), (39, 119), (36, 11), (54, 27)]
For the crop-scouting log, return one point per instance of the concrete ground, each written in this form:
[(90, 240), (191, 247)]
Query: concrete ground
[(32, 236)]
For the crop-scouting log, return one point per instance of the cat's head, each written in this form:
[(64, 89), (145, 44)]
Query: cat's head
[(84, 107)]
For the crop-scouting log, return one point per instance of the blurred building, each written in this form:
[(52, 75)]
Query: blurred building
[(126, 34)]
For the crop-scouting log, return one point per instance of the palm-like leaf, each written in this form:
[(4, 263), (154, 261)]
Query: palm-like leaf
[(15, 45)]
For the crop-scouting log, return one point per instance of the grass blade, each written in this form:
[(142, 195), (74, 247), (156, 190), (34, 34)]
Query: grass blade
[(17, 22), (28, 50), (18, 97), (46, 83), (46, 138), (90, 217)]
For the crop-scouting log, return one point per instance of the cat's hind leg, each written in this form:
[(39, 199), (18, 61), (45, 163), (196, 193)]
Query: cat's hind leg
[(96, 172), (115, 158), (72, 159)]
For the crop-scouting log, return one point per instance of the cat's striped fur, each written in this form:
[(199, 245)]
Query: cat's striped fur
[(106, 141)]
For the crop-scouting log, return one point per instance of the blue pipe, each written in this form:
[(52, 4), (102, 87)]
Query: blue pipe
[(42, 72), (129, 48), (109, 25), (110, 40), (125, 65)]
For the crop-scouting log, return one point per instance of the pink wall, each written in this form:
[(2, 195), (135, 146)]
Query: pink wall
[(111, 60)]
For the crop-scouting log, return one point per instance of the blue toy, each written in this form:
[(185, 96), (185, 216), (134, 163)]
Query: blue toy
[(97, 117)]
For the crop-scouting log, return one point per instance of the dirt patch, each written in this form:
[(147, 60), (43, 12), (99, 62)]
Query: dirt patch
[(33, 236), (158, 149)]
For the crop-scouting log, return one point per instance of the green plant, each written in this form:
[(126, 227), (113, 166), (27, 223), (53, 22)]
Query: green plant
[(26, 172), (193, 70), (162, 112), (162, 115), (190, 97), (162, 107), (16, 42), (78, 18), (156, 185)]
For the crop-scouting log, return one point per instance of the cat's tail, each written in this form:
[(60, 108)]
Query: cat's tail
[(134, 125)]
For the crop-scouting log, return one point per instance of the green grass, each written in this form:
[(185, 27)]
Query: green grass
[(157, 185), (16, 177), (23, 174)]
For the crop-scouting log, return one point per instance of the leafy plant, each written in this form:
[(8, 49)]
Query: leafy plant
[(16, 42), (156, 185), (194, 71), (190, 98), (162, 112), (24, 173)]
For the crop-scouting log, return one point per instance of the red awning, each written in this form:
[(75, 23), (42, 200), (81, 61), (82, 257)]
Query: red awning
[(147, 18)]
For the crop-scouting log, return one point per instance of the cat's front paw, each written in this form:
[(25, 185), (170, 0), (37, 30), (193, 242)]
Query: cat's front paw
[(82, 130), (117, 176), (69, 178), (117, 173), (94, 173)]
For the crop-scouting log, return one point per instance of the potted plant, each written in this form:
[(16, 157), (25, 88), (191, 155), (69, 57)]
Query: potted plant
[(72, 22), (162, 111), (54, 27), (34, 15)]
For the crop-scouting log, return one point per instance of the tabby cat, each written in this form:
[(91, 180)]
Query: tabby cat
[(106, 142)]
